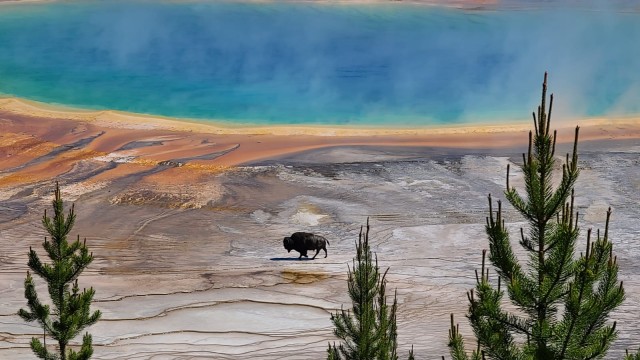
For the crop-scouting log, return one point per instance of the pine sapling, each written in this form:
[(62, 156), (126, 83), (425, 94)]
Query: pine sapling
[(69, 313)]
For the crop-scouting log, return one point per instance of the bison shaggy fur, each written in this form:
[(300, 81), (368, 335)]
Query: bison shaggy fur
[(303, 242)]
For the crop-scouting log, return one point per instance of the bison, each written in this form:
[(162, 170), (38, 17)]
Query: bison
[(303, 241)]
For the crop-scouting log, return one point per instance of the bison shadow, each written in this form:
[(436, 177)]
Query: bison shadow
[(290, 259)]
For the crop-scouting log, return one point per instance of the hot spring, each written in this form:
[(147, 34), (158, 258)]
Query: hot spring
[(393, 64)]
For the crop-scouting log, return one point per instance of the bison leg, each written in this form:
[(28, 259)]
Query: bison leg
[(325, 251), (314, 256)]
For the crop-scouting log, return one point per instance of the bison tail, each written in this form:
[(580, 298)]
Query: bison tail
[(327, 242)]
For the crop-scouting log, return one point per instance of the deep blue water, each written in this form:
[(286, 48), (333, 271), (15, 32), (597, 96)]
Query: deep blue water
[(302, 63)]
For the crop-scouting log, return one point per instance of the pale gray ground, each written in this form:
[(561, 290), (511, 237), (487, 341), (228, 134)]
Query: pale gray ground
[(216, 283)]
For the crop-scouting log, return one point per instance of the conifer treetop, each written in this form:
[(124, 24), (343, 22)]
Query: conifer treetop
[(564, 301), (368, 330), (70, 313)]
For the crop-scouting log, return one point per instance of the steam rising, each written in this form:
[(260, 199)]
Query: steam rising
[(395, 64)]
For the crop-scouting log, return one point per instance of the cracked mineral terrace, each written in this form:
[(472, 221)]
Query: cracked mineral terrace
[(189, 262)]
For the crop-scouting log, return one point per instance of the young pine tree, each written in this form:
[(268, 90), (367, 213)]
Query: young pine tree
[(629, 356), (70, 314), (564, 301), (368, 331)]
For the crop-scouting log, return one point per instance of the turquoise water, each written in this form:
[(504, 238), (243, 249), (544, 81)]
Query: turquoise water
[(304, 63)]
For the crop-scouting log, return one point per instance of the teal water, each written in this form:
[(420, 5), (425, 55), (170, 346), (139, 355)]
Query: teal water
[(304, 63)]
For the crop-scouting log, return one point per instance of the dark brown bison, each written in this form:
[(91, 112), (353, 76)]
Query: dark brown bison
[(303, 241)]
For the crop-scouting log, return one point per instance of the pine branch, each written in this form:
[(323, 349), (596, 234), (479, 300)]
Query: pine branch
[(85, 351), (456, 343), (41, 351), (332, 352), (632, 356)]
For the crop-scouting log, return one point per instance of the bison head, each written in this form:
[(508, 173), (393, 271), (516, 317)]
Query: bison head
[(288, 244)]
